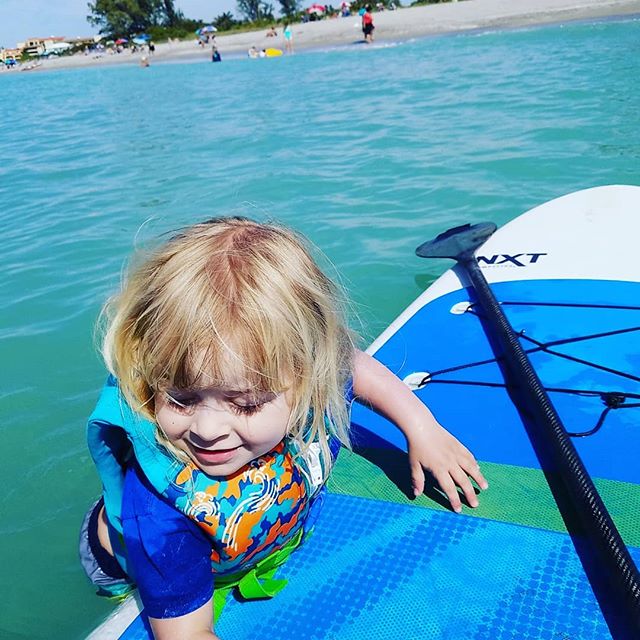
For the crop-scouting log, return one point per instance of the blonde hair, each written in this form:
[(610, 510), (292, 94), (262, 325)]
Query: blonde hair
[(239, 291)]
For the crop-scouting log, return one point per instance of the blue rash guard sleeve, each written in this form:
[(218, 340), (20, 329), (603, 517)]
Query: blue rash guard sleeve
[(169, 557)]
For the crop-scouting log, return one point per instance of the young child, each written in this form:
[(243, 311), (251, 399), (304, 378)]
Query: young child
[(231, 375)]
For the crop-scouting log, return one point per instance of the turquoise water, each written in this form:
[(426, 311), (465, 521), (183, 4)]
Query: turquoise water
[(367, 151)]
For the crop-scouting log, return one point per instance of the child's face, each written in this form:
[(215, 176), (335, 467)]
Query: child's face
[(223, 429)]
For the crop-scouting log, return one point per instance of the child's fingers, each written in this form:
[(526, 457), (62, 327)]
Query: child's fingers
[(417, 477), (461, 479), (472, 468), (480, 480), (451, 491)]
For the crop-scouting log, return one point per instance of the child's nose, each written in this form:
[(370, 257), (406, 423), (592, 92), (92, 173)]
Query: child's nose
[(211, 424)]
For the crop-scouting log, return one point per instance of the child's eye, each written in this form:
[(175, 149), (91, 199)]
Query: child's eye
[(246, 409), (251, 405), (184, 404)]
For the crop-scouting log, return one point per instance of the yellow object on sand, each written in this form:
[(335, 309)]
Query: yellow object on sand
[(273, 53)]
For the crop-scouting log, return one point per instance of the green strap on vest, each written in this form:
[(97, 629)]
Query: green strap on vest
[(257, 583)]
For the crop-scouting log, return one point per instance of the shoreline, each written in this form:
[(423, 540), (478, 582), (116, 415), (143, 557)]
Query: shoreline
[(391, 26)]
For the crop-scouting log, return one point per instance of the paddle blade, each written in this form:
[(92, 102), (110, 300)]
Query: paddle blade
[(458, 243)]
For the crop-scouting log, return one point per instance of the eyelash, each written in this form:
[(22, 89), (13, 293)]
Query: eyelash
[(246, 409), (187, 406)]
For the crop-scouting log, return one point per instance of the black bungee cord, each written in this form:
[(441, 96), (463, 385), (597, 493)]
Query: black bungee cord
[(611, 399)]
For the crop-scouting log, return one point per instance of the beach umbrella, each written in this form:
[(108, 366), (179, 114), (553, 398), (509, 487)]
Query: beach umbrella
[(316, 8), (143, 38), (207, 29), (122, 41)]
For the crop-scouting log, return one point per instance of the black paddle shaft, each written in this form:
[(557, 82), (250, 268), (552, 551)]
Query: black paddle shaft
[(606, 559)]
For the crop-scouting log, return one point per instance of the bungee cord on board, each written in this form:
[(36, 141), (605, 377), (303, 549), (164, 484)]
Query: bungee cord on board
[(612, 400)]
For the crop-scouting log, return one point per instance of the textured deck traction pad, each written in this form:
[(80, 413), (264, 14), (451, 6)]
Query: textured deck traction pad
[(375, 569)]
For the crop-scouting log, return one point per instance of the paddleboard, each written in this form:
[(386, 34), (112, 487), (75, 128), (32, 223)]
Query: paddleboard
[(380, 564)]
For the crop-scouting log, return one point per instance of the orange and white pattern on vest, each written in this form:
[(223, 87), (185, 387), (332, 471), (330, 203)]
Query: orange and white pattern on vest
[(248, 515)]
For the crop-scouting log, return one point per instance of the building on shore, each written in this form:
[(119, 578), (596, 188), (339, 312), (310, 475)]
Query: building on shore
[(10, 54), (37, 46)]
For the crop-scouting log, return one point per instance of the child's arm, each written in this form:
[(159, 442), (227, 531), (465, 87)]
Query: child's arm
[(169, 557), (431, 447), (196, 625)]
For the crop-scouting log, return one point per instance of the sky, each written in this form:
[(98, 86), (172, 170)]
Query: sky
[(22, 19)]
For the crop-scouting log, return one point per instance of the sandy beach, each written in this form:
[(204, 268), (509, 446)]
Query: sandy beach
[(391, 26)]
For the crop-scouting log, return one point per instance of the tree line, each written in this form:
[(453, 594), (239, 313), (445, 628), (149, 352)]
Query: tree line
[(160, 18)]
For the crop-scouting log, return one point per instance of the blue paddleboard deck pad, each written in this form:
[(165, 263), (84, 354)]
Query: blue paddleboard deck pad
[(397, 570)]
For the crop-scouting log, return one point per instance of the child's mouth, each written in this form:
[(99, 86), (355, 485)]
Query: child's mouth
[(214, 456)]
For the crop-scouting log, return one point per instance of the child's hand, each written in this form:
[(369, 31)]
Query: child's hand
[(433, 448), (430, 446)]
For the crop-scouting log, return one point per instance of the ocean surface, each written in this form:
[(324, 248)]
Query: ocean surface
[(368, 150)]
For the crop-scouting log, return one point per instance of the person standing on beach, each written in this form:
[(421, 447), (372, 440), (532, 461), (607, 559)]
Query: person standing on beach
[(288, 38), (215, 54), (367, 24)]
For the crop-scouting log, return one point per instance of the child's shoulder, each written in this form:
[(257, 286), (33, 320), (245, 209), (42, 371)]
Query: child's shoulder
[(141, 501)]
